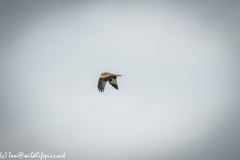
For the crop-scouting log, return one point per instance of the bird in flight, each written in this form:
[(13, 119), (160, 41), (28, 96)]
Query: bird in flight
[(111, 78)]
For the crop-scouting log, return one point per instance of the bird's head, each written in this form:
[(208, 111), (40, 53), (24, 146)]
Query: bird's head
[(104, 73)]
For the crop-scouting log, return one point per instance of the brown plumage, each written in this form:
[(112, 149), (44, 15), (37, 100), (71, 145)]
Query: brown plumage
[(111, 78)]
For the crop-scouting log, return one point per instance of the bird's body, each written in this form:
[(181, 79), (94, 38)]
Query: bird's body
[(111, 78)]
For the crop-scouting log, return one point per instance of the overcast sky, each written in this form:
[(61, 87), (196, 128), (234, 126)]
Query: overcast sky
[(179, 98)]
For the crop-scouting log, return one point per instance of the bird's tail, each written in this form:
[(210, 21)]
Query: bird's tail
[(118, 75)]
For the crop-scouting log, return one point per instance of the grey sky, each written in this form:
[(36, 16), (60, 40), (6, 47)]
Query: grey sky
[(178, 100)]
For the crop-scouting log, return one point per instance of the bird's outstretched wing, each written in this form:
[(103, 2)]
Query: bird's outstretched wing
[(113, 82), (101, 84)]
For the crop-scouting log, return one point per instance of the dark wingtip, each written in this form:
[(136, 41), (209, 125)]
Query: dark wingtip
[(101, 90)]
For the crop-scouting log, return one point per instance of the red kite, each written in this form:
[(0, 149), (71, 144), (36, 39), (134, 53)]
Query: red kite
[(111, 78)]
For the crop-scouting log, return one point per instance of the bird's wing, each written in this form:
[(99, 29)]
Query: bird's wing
[(101, 84), (113, 82)]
